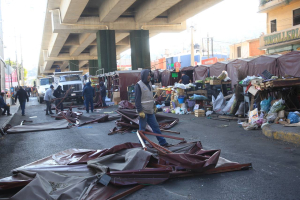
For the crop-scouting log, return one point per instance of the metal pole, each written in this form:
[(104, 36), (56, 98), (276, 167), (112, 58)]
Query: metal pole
[(192, 47), (212, 47), (207, 45)]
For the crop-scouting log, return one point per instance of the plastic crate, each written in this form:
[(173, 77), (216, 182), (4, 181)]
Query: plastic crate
[(267, 74)]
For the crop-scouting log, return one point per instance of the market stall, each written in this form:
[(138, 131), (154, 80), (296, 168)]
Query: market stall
[(189, 71), (201, 72), (169, 77), (289, 64), (258, 65), (217, 68), (237, 70)]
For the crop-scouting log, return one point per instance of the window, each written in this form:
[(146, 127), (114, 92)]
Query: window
[(296, 17), (273, 26), (69, 78), (239, 52), (46, 81)]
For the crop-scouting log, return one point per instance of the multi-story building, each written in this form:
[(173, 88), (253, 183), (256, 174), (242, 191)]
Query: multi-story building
[(249, 48), (283, 26)]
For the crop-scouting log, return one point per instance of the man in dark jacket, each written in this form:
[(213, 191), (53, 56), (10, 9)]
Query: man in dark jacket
[(22, 96), (88, 93), (144, 103), (3, 105), (58, 94), (103, 93)]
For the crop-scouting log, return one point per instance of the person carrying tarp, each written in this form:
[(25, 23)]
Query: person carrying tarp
[(88, 94), (103, 93), (58, 94), (48, 98), (144, 103)]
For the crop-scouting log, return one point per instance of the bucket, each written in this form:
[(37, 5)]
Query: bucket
[(180, 100)]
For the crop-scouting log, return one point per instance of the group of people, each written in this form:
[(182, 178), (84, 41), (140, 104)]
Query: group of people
[(29, 90), (54, 95)]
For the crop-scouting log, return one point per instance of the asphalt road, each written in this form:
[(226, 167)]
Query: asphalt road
[(276, 164)]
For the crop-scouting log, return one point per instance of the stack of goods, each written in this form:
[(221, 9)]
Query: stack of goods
[(199, 113)]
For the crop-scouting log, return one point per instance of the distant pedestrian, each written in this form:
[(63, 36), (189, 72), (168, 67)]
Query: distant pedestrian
[(58, 94), (103, 93), (88, 93), (28, 91), (48, 98), (22, 96), (4, 105), (185, 79)]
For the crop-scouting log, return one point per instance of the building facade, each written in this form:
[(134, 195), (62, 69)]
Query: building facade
[(249, 48), (283, 26)]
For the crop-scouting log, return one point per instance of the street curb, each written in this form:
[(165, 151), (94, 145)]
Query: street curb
[(10, 117), (281, 135)]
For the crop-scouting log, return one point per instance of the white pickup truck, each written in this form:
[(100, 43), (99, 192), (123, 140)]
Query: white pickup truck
[(71, 81), (43, 84)]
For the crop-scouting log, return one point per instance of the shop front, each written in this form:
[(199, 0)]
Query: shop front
[(281, 42)]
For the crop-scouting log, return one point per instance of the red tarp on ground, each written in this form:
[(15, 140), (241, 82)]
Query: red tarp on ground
[(289, 64), (217, 68), (201, 72)]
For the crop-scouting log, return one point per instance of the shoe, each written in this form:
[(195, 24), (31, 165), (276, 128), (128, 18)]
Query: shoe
[(47, 113), (9, 114), (24, 115), (51, 113), (166, 145), (3, 114), (87, 111)]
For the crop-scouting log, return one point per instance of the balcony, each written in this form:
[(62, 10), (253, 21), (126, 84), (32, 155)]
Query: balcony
[(269, 5)]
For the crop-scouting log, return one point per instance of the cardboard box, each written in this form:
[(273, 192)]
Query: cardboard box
[(116, 95), (253, 90), (215, 82), (117, 100)]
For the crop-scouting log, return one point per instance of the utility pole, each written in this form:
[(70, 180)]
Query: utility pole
[(207, 45), (212, 47), (192, 47), (22, 67)]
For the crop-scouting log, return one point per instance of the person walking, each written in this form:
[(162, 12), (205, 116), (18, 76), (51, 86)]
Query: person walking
[(58, 102), (48, 98), (22, 96), (88, 94), (3, 105), (103, 93), (144, 103)]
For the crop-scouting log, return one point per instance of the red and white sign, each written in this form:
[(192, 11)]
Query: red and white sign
[(177, 65), (209, 61)]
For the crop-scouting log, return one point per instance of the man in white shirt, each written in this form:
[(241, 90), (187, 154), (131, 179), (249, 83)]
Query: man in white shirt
[(48, 98)]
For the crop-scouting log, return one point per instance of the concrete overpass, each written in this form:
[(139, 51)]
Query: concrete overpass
[(93, 33)]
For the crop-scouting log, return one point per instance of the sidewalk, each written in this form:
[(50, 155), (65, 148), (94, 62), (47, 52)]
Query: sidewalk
[(4, 119), (280, 132)]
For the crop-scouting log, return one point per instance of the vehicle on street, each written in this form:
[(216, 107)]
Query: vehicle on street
[(43, 84), (71, 82)]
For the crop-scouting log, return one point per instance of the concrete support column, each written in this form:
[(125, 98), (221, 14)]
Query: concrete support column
[(140, 49), (93, 67), (106, 49), (73, 65)]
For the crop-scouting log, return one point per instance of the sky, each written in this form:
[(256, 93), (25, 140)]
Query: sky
[(228, 22)]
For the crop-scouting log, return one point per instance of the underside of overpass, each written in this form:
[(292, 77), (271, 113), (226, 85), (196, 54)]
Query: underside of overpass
[(80, 32)]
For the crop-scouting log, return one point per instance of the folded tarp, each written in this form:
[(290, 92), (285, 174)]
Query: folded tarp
[(75, 173), (61, 124)]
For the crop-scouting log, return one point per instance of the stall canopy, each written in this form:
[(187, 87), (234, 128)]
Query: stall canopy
[(169, 77), (258, 65), (289, 64), (237, 70), (201, 72), (189, 72), (217, 68), (127, 78)]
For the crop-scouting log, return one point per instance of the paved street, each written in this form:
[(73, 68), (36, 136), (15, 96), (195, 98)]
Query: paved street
[(276, 164)]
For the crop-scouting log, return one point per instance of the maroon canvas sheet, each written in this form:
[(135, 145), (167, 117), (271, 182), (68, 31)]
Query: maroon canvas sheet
[(217, 68), (258, 65), (201, 72), (289, 64)]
